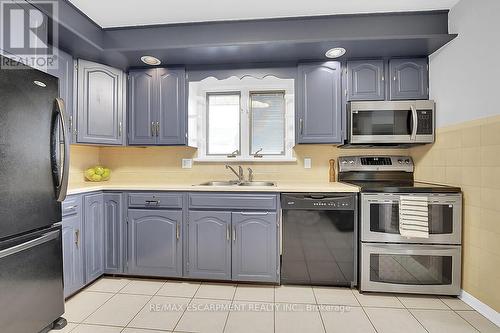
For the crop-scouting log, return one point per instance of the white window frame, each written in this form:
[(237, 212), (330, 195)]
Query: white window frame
[(198, 115)]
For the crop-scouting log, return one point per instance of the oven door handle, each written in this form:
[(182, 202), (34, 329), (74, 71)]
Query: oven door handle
[(412, 248), (414, 122)]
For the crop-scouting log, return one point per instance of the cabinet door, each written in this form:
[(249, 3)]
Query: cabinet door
[(142, 107), (171, 106), (94, 236), (209, 248), (155, 243), (72, 254), (365, 80), (113, 232), (100, 104), (254, 239), (410, 79), (319, 103), (65, 72)]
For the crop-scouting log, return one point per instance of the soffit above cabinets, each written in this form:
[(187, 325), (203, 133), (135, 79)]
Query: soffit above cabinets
[(122, 13), (285, 40)]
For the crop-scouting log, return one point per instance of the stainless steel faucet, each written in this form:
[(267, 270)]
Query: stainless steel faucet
[(250, 174), (239, 174)]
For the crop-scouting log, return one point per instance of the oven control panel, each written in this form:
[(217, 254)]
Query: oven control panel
[(375, 163)]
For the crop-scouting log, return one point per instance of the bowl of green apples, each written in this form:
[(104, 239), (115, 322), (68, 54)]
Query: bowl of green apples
[(97, 174)]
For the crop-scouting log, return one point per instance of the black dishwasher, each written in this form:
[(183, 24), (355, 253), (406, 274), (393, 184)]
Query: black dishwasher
[(320, 239)]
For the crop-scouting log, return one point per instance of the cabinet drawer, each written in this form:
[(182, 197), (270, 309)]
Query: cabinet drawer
[(71, 205), (232, 201), (155, 200)]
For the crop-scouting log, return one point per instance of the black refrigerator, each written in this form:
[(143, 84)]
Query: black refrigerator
[(34, 161)]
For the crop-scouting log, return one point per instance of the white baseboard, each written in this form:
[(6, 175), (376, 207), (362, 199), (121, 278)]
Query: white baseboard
[(480, 307)]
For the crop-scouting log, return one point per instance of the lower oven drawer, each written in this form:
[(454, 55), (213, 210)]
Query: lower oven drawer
[(409, 268), (31, 281)]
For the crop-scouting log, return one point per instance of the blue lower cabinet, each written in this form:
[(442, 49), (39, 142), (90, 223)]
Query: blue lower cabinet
[(155, 242), (113, 232), (254, 246), (72, 245), (94, 236), (209, 245)]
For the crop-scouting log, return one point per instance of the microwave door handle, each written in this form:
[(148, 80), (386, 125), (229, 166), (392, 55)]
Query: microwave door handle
[(414, 123)]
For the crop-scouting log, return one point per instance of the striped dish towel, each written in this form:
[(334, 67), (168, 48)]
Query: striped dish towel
[(414, 216)]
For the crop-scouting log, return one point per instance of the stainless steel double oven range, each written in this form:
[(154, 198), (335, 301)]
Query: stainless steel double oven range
[(390, 262)]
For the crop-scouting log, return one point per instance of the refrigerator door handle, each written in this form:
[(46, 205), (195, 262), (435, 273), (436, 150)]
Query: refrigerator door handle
[(62, 183), (29, 244)]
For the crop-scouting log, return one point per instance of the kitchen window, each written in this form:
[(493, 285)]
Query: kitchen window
[(223, 123), (246, 119)]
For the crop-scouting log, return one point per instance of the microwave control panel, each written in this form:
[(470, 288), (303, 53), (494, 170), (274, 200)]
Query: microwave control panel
[(425, 122)]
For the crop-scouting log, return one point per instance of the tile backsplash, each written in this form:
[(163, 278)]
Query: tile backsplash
[(164, 164), (468, 155)]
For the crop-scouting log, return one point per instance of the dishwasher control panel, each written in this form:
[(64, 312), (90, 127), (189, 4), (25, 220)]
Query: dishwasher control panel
[(319, 201)]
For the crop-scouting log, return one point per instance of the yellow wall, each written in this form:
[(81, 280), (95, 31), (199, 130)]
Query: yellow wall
[(468, 155), (164, 164), (81, 157)]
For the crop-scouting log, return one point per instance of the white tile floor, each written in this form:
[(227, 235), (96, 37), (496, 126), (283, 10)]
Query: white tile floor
[(148, 306)]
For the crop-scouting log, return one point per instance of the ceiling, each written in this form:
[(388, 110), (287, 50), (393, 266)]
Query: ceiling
[(120, 13)]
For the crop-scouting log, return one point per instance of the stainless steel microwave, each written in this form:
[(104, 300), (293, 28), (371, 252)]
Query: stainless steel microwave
[(390, 123)]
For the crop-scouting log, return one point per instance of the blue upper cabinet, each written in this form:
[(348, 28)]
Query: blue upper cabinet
[(64, 71), (171, 85), (100, 104), (141, 104), (365, 80), (409, 79), (157, 107), (319, 108)]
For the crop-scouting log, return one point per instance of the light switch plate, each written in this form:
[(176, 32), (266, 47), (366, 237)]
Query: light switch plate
[(187, 163), (307, 163)]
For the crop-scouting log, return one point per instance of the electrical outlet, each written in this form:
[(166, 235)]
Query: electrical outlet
[(187, 163), (307, 163)]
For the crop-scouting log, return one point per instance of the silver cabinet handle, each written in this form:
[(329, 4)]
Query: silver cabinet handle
[(29, 244), (150, 202), (301, 126), (177, 231), (254, 213), (157, 128), (228, 237), (77, 238), (62, 186), (234, 234), (71, 207), (120, 128), (153, 133)]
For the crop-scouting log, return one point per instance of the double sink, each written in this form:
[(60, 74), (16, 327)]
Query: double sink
[(237, 183)]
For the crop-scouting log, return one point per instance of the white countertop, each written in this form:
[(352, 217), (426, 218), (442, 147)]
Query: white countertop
[(284, 186)]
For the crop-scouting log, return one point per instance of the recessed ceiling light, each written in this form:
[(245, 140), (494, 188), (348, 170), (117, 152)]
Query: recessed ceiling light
[(336, 52), (40, 83), (150, 60)]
